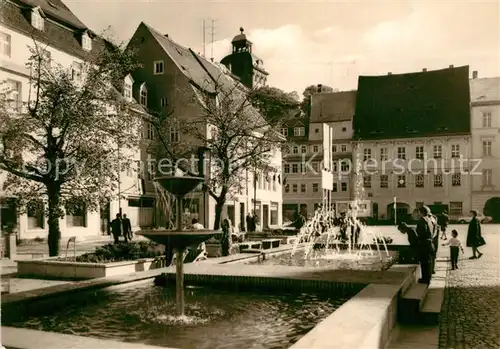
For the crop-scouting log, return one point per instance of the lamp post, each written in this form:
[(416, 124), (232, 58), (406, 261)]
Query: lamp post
[(203, 153)]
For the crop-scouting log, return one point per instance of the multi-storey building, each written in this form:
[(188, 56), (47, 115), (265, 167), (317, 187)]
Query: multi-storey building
[(171, 81), (68, 42), (412, 135), (336, 109), (485, 124)]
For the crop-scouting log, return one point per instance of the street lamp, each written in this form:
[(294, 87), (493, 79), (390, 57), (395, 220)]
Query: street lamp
[(203, 154)]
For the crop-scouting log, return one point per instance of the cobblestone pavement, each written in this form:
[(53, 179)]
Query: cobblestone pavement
[(470, 317)]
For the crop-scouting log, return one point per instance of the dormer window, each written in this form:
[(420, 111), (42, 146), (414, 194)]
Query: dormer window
[(86, 42), (143, 95), (158, 67), (37, 19)]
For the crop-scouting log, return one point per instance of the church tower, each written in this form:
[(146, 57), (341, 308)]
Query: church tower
[(244, 64)]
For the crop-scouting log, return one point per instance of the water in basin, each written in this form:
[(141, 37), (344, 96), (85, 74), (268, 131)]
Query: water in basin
[(219, 319)]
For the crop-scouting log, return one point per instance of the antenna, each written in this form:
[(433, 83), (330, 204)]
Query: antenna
[(212, 40), (204, 38)]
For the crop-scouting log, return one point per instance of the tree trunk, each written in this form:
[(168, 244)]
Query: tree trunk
[(218, 213), (54, 194)]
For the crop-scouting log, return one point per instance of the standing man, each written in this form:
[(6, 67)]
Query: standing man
[(127, 228), (116, 228), (425, 229), (249, 221), (443, 221)]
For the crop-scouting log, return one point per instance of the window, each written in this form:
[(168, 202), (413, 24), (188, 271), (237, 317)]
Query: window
[(487, 148), (383, 154), (303, 188), (86, 42), (456, 208), (294, 188), (335, 187), (401, 181), (303, 149), (335, 166), (299, 131), (343, 186), (455, 150), (150, 132), (438, 180), (315, 149), (367, 181), (151, 170), (456, 179), (315, 166), (76, 215), (419, 152), (344, 166), (316, 130), (487, 177), (437, 151), (14, 95), (36, 19), (286, 168), (295, 150), (143, 94), (402, 153), (127, 90), (384, 181), (295, 168), (284, 131), (5, 44), (76, 71), (164, 102), (287, 188), (343, 148), (367, 154), (174, 135), (315, 187), (486, 119), (35, 215), (302, 168), (419, 181), (158, 67), (334, 148)]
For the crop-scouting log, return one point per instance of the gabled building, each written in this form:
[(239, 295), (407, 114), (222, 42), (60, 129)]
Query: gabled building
[(412, 135), (175, 77), (485, 123), (66, 41)]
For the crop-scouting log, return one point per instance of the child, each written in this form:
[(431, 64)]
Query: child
[(455, 244)]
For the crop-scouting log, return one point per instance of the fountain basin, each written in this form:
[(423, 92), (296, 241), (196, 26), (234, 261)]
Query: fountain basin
[(215, 318), (179, 185), (179, 239)]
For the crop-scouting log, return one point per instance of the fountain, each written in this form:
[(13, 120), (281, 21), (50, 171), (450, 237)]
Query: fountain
[(179, 239)]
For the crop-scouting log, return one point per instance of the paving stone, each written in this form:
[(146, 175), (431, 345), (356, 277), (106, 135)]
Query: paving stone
[(470, 315)]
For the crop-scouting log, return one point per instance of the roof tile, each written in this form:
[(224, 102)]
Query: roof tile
[(333, 106)]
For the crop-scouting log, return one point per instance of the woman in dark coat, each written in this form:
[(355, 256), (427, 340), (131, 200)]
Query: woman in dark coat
[(474, 237)]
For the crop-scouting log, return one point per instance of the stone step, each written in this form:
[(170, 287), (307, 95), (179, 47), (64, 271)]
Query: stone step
[(410, 304), (433, 301), (414, 336), (412, 269)]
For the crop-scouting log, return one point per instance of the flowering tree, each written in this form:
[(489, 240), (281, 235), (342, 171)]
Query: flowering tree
[(60, 147), (239, 138)]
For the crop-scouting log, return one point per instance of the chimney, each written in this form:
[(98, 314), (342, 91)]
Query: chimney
[(424, 70), (320, 88), (451, 66), (389, 73), (474, 74)]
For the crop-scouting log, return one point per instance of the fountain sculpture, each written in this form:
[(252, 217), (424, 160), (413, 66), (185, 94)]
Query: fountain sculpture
[(179, 239)]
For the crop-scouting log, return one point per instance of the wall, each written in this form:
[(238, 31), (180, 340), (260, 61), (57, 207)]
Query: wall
[(410, 194)]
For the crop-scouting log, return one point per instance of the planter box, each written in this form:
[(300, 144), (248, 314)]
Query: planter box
[(53, 269)]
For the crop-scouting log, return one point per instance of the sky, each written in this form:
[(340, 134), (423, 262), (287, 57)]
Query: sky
[(312, 42)]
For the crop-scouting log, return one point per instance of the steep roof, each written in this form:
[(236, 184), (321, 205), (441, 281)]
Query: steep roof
[(413, 105), (485, 90), (333, 106), (16, 17), (56, 9)]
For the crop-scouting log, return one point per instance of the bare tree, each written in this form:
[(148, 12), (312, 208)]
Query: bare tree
[(60, 147), (240, 139)]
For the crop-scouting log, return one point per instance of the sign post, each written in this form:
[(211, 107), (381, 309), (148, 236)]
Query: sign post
[(395, 212)]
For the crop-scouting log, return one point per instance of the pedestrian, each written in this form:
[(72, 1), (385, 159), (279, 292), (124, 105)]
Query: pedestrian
[(412, 240), (474, 236), (116, 228), (226, 238), (127, 228), (443, 221), (427, 252), (455, 246)]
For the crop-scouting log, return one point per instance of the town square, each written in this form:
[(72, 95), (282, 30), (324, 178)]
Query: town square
[(198, 174)]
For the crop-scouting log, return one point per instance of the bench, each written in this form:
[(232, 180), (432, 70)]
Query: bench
[(254, 245), (270, 243)]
